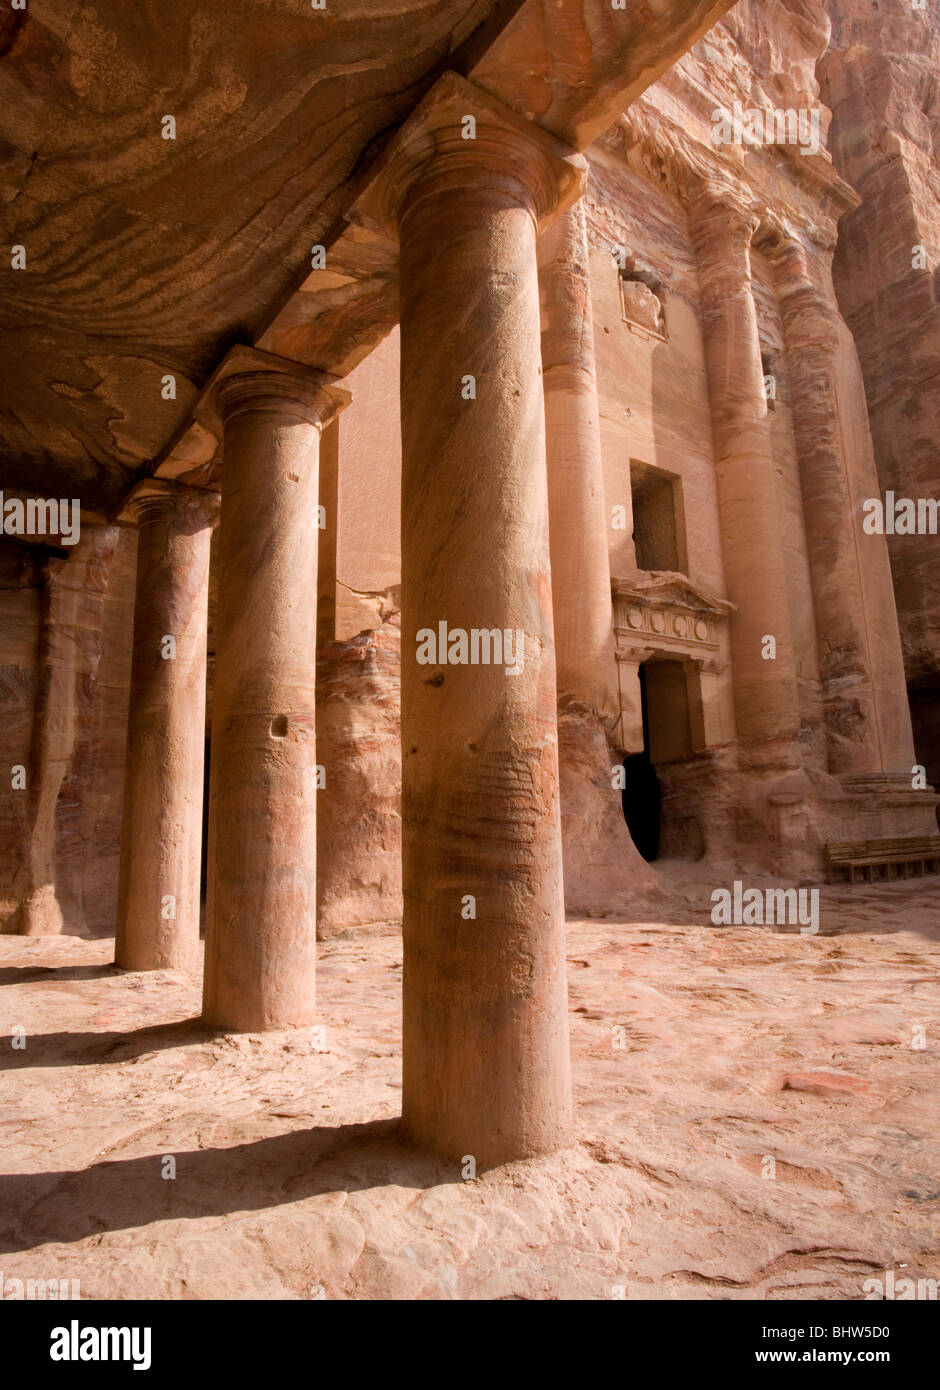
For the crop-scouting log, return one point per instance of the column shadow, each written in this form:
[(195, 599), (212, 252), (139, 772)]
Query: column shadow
[(91, 1049), (28, 974), (127, 1194)]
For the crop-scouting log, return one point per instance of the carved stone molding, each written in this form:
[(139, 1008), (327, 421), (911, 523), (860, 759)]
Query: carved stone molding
[(152, 498), (667, 612)]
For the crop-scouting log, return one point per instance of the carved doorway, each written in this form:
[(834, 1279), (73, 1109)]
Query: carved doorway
[(641, 799)]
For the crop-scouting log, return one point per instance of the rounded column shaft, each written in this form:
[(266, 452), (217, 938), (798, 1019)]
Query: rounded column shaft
[(583, 606), (485, 1037), (602, 867), (485, 1002), (261, 890), (161, 837), (765, 690), (859, 655)]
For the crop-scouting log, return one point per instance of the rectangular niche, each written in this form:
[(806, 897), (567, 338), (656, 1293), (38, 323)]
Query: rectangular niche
[(658, 520)]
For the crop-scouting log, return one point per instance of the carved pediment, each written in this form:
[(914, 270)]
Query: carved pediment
[(664, 588), (666, 609)]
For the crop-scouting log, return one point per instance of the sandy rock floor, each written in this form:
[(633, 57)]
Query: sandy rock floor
[(738, 1045)]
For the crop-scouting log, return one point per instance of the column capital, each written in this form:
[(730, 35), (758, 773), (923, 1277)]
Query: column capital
[(787, 251), (248, 379), (804, 284), (153, 498), (809, 264), (435, 152), (719, 211)]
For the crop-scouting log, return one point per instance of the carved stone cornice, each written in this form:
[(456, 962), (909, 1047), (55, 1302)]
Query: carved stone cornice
[(658, 146), (635, 656), (673, 587)]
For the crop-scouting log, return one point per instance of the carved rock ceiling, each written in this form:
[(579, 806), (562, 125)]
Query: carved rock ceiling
[(147, 256)]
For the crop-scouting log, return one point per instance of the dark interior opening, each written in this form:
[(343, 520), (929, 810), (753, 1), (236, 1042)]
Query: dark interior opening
[(657, 533), (641, 798), (924, 697)]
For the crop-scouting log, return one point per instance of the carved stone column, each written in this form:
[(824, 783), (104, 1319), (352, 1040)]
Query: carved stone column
[(765, 691), (861, 666), (161, 835), (486, 1066), (261, 892), (602, 868), (581, 594)]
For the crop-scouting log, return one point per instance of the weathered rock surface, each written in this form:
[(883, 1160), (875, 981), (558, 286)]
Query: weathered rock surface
[(880, 79), (359, 804), (20, 614), (66, 620), (149, 256), (738, 1046), (603, 870)]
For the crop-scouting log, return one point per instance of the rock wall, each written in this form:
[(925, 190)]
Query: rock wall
[(66, 620), (880, 77), (20, 613), (89, 821), (359, 804)]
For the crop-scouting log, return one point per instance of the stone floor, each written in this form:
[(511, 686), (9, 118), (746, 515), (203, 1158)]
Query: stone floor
[(739, 1045)]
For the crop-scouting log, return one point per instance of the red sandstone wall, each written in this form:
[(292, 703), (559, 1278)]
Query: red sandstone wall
[(367, 497), (880, 77), (88, 717), (653, 396), (359, 805), (89, 829), (20, 584)]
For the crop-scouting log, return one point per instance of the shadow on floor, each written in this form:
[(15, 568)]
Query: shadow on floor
[(91, 1049), (29, 974), (130, 1193)]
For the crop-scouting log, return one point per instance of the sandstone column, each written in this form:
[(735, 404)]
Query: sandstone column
[(581, 588), (486, 1065), (161, 836), (765, 691), (860, 654), (601, 864), (261, 890)]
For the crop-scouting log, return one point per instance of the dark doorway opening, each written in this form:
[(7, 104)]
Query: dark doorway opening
[(641, 798), (924, 697)]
